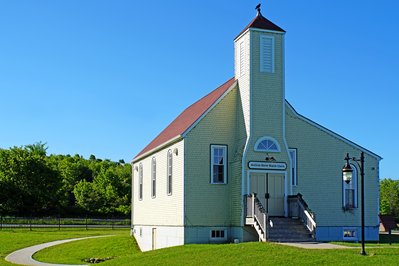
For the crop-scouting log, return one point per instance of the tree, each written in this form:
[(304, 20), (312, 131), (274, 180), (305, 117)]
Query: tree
[(39, 148), (389, 197), (28, 184), (87, 196), (32, 183)]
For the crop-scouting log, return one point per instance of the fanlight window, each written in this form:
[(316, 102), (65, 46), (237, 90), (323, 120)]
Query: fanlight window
[(267, 144)]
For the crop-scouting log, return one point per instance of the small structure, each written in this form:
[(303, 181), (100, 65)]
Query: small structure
[(387, 223)]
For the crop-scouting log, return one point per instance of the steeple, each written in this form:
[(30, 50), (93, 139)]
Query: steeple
[(260, 22), (259, 70)]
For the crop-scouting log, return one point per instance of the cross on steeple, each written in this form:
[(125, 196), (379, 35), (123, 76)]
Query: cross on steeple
[(258, 9)]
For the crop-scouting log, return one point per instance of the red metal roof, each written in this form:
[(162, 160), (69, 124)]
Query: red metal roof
[(187, 117), (260, 22)]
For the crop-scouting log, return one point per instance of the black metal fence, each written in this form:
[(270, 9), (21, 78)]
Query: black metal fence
[(60, 222)]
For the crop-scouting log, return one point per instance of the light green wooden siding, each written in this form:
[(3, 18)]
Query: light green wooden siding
[(267, 99), (164, 209), (320, 162), (214, 204)]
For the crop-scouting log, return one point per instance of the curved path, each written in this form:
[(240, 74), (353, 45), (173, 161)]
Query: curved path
[(24, 256)]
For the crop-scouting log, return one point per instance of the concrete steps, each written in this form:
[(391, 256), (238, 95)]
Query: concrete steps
[(288, 230)]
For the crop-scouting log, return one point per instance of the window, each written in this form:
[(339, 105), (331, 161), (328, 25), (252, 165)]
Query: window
[(153, 177), (349, 234), (169, 173), (267, 144), (350, 191), (293, 156), (218, 164), (218, 234), (266, 54), (140, 181)]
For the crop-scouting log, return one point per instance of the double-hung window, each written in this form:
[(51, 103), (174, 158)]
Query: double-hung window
[(218, 164), (140, 181), (153, 177), (350, 191), (293, 156), (169, 173)]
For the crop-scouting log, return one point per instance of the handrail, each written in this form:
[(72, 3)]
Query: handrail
[(306, 215), (255, 209)]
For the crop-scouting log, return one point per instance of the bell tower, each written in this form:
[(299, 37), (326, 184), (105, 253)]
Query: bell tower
[(259, 69)]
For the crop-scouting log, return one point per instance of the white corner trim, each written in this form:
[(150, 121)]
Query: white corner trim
[(241, 35), (332, 133), (289, 182), (209, 109)]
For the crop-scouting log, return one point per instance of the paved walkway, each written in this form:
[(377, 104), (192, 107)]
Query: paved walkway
[(24, 256), (314, 245)]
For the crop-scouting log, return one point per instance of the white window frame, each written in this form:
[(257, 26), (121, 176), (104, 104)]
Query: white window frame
[(262, 39), (267, 150), (351, 238), (212, 163), (140, 186), (353, 184), (169, 173), (294, 161), (153, 177)]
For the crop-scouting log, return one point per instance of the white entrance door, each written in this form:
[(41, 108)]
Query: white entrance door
[(269, 188)]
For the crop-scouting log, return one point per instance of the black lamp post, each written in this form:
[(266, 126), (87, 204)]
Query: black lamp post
[(347, 177)]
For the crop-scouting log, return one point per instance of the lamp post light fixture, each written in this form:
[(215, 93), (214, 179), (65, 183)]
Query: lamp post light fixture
[(347, 172)]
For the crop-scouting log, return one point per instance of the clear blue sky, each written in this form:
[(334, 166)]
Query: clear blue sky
[(105, 77)]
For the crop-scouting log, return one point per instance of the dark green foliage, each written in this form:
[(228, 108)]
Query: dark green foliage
[(32, 183), (389, 197)]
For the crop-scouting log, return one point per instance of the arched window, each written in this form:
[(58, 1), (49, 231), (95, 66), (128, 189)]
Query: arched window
[(169, 173), (267, 144), (350, 191), (153, 177), (140, 181)]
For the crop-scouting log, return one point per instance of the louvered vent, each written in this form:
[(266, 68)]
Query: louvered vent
[(242, 59), (266, 54)]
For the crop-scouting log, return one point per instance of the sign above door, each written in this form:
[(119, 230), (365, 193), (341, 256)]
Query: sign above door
[(267, 165)]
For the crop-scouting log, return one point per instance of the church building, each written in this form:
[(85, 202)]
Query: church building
[(241, 164)]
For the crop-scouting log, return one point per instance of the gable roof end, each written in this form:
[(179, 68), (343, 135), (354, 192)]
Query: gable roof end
[(186, 119)]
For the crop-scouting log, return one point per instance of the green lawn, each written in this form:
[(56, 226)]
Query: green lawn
[(11, 240), (123, 251)]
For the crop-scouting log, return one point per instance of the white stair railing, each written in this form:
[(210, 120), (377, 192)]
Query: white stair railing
[(255, 210), (304, 213)]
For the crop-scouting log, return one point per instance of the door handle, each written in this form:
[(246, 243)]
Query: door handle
[(267, 195)]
